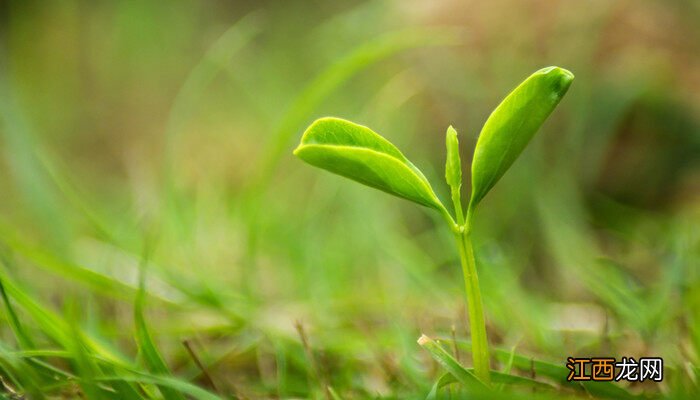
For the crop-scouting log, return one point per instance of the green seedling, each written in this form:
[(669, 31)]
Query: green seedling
[(358, 153)]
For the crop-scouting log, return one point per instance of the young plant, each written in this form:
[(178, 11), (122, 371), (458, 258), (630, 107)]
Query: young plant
[(358, 153)]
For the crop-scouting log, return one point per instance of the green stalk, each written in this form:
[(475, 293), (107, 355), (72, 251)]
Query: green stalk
[(457, 202), (477, 323)]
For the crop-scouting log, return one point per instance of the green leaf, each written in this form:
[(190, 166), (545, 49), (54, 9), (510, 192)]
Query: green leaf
[(463, 376), (497, 377), (453, 165), (556, 372), (512, 124), (356, 152), (443, 381)]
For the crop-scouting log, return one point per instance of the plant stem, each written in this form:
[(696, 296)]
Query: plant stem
[(477, 323), (457, 202), (454, 227)]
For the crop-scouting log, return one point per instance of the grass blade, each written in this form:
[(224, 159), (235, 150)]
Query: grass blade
[(172, 384), (555, 372), (463, 376), (52, 324), (23, 338), (152, 357), (444, 380), (98, 282), (28, 377), (85, 366), (497, 377)]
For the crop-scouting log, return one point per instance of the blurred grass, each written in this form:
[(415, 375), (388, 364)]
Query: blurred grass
[(124, 121)]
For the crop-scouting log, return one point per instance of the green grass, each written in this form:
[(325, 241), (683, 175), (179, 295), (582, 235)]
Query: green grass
[(170, 127)]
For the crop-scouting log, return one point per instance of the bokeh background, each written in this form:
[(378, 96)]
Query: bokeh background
[(158, 136)]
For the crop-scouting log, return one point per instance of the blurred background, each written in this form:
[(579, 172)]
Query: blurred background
[(157, 136)]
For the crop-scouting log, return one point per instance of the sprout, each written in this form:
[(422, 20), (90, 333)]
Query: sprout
[(356, 152)]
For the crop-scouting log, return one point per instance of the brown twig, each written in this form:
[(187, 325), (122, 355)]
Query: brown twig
[(533, 373), (201, 366), (310, 355), (14, 395)]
